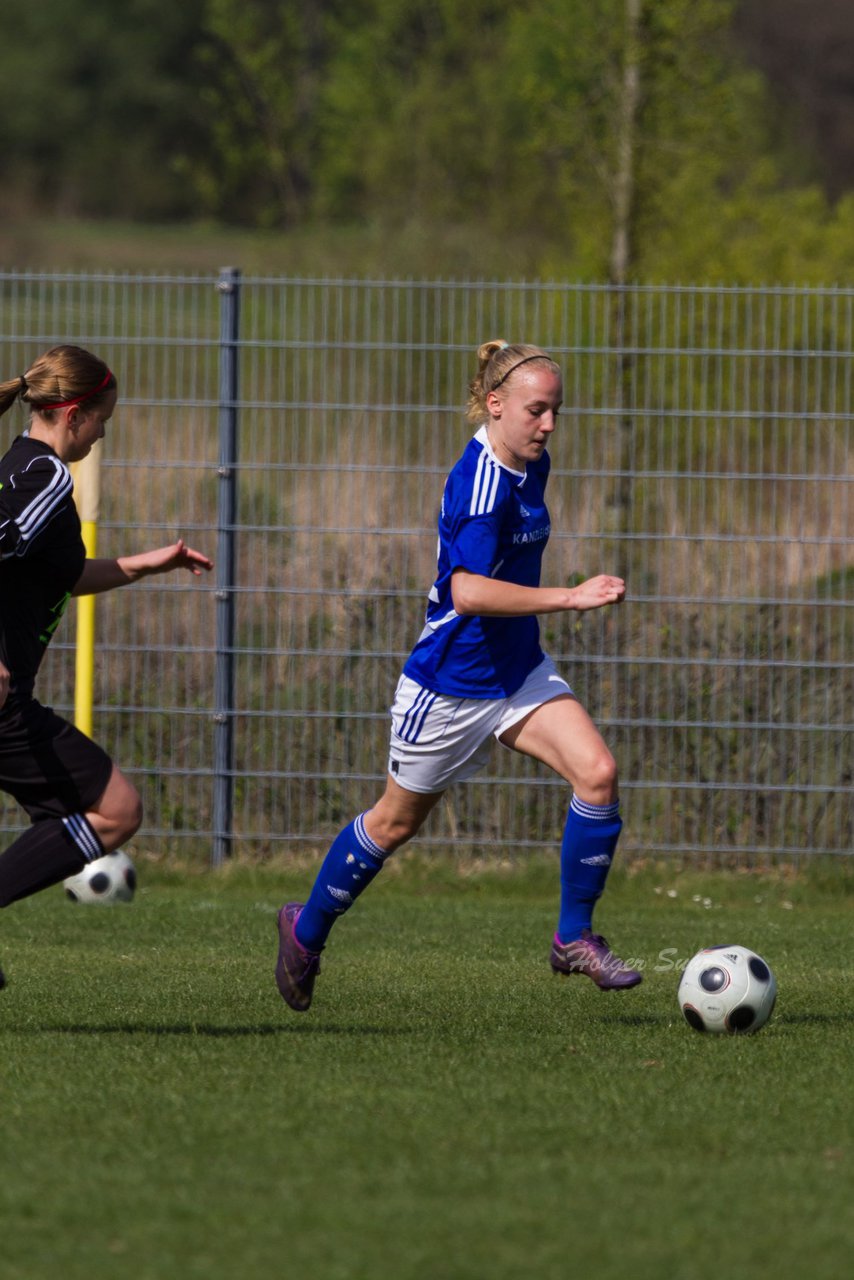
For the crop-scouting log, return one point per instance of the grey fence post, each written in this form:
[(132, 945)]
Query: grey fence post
[(223, 793)]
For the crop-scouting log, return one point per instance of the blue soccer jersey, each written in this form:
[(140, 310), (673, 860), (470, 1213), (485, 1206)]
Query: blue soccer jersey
[(493, 522)]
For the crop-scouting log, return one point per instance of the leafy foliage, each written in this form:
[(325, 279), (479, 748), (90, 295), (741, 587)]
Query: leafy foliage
[(507, 119), (98, 97)]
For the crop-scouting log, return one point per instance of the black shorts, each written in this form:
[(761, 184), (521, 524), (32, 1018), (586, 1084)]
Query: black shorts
[(51, 768)]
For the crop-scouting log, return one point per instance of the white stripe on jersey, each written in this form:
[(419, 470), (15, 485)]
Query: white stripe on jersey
[(44, 505), (485, 485), (435, 623)]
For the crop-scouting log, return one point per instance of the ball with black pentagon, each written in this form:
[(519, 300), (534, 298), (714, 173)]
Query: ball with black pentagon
[(727, 989), (106, 880)]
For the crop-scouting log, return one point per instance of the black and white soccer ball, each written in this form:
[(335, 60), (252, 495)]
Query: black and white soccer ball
[(108, 879), (727, 989)]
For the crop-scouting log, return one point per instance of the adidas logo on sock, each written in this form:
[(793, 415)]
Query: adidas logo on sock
[(600, 860)]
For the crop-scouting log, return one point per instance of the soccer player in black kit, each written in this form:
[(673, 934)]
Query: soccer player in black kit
[(80, 804)]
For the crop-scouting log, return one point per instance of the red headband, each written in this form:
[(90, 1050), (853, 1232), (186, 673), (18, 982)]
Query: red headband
[(87, 395)]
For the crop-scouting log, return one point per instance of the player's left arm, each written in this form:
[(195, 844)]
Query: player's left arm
[(105, 575)]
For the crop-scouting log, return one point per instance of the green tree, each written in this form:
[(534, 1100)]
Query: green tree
[(695, 129), (404, 109), (94, 101), (603, 139), (263, 68), (515, 119)]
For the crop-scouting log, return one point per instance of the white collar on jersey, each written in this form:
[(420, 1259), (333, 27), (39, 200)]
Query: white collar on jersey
[(482, 437)]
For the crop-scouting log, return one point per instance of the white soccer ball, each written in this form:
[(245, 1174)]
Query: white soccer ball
[(728, 989), (108, 879)]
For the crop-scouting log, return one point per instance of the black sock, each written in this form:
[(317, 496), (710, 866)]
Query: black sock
[(51, 850)]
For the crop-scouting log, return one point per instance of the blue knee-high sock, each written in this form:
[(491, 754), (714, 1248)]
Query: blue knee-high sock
[(589, 840), (348, 868)]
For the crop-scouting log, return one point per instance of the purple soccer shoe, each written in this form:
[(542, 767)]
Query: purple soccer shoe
[(296, 968), (591, 955)]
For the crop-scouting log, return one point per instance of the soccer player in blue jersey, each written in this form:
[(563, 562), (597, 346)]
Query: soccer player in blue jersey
[(477, 672), (81, 805)]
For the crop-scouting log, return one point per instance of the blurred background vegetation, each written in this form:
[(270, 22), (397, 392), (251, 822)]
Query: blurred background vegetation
[(658, 140), (604, 142)]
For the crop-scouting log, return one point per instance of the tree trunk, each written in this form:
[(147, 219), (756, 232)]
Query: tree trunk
[(622, 261)]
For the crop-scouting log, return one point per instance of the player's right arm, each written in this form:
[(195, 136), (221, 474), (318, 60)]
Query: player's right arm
[(473, 593)]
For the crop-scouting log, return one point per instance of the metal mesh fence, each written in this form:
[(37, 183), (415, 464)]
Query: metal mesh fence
[(704, 450)]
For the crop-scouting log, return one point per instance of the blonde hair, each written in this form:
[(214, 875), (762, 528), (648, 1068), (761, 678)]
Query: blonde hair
[(63, 376), (497, 361)]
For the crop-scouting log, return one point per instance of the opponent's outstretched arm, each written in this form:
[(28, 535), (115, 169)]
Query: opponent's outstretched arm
[(104, 575)]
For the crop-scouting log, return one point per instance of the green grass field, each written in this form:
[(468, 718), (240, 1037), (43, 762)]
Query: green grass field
[(448, 1109)]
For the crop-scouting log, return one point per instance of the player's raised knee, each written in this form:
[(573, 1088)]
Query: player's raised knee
[(599, 782), (133, 813)]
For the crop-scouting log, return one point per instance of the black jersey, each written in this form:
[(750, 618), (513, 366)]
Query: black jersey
[(41, 554)]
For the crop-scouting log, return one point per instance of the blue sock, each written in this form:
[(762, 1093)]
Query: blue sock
[(348, 868), (589, 840)]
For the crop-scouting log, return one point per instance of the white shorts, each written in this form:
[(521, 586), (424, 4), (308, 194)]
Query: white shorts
[(437, 740)]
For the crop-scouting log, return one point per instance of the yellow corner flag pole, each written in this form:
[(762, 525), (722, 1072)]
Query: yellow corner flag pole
[(87, 494)]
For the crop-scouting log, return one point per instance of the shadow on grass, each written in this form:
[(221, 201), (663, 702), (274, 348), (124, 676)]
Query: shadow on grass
[(207, 1029)]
